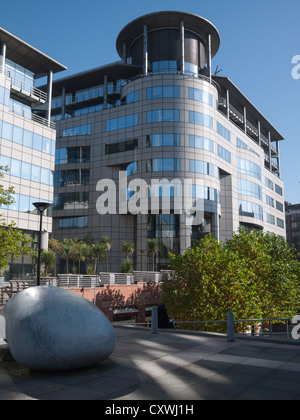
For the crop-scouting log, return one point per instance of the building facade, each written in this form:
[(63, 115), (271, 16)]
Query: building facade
[(156, 146), (292, 217), (27, 139)]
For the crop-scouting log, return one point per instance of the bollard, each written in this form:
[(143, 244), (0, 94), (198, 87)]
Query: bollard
[(154, 321), (230, 327)]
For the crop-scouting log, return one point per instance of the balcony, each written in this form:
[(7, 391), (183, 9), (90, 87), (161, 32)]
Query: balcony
[(26, 92), (26, 113)]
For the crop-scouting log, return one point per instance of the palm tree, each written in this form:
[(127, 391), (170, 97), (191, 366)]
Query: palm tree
[(152, 249), (81, 252), (128, 248), (106, 240), (67, 251), (48, 259), (99, 251)]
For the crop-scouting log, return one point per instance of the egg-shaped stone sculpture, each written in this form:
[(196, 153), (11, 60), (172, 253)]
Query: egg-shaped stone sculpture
[(53, 329)]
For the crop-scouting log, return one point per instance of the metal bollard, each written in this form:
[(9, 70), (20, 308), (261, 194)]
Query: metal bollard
[(154, 321), (230, 327)]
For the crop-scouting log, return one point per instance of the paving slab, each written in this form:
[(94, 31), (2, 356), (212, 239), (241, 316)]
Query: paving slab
[(171, 365)]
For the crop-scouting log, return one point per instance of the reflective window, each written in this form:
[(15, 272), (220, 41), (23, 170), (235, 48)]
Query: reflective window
[(201, 119), (269, 183), (82, 130), (121, 146), (28, 171), (201, 143), (191, 69), (80, 154), (246, 208), (4, 96), (163, 92), (280, 223), (269, 201), (163, 165), (249, 168), (250, 188), (22, 203), (207, 193), (279, 206), (224, 154), (132, 168), (71, 201), (132, 97), (71, 177), (27, 138), (200, 96), (223, 131), (163, 140), (73, 222), (165, 66), (201, 167), (278, 189), (122, 122), (240, 144), (270, 219), (163, 115)]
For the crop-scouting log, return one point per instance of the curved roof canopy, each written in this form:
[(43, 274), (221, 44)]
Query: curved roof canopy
[(168, 19)]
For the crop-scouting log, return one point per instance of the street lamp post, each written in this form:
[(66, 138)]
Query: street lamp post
[(41, 207)]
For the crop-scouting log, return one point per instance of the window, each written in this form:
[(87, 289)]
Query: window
[(278, 189), (4, 96), (164, 66), (163, 140), (201, 143), (72, 155), (207, 193), (270, 201), (200, 96), (163, 165), (157, 92), (71, 177), (73, 222), (269, 183), (250, 210), (27, 171), (279, 206), (201, 119), (223, 132), (122, 122), (250, 188), (121, 146), (270, 219), (71, 201), (280, 223), (224, 154), (163, 115), (200, 167), (249, 168), (82, 130), (132, 97)]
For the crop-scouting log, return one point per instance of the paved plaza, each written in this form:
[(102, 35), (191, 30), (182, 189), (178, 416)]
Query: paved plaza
[(167, 366)]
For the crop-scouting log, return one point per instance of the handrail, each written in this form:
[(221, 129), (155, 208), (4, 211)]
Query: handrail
[(179, 73)]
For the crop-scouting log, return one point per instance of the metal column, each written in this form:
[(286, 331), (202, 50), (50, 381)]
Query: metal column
[(145, 50), (209, 55), (3, 58), (50, 79), (182, 46)]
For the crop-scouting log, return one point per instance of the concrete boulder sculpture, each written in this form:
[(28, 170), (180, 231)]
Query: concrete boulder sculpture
[(53, 329)]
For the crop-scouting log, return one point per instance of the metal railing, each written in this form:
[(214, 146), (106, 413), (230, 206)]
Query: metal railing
[(28, 90)]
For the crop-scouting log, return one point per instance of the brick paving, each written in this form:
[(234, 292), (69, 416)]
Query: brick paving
[(170, 365)]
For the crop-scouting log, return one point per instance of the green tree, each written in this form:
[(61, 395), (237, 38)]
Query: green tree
[(66, 251), (81, 252), (106, 240), (48, 259), (152, 249), (99, 251), (12, 240), (255, 275), (128, 248)]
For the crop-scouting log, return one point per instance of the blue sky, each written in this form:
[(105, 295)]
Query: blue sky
[(259, 38)]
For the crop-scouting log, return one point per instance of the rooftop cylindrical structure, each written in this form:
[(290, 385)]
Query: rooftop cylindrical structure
[(170, 42)]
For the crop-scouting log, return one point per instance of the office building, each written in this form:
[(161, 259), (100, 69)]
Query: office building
[(27, 139), (292, 219), (160, 113)]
